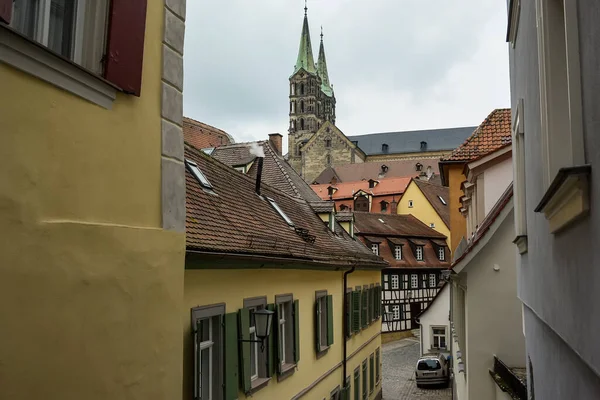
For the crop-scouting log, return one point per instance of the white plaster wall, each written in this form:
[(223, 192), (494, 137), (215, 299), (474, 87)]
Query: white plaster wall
[(493, 311), (496, 180), (436, 315), (460, 382)]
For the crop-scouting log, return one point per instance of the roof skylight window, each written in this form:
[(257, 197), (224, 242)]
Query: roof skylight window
[(442, 200), (280, 212), (198, 174)]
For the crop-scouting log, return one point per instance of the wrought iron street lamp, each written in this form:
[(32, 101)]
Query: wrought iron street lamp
[(263, 320)]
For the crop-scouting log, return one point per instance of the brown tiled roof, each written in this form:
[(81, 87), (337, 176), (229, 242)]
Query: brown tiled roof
[(203, 136), (433, 193), (493, 134), (346, 190), (372, 170), (276, 171), (405, 225), (233, 219)]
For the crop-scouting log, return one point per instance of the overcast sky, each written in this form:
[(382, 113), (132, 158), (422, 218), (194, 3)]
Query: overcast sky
[(395, 64)]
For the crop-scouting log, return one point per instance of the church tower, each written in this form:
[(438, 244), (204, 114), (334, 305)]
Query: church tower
[(311, 96)]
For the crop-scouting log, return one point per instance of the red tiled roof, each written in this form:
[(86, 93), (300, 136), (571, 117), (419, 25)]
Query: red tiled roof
[(346, 190), (403, 230), (235, 220), (373, 170), (203, 136), (493, 134)]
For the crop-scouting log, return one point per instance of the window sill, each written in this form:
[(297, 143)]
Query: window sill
[(34, 59), (567, 199), (322, 351), (521, 242), (287, 370), (258, 384)]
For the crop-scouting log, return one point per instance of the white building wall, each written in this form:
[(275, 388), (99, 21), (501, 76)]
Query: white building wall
[(496, 180), (436, 315)]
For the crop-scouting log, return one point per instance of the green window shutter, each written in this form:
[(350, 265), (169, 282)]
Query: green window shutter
[(231, 367), (377, 365), (329, 320), (317, 326), (370, 312), (244, 334), (365, 389), (371, 373), (273, 344), (357, 384), (363, 311), (355, 311), (379, 301), (296, 312), (348, 311)]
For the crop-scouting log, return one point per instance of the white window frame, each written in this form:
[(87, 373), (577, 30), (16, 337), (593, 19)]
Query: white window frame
[(439, 336), (396, 312), (203, 180), (375, 249), (431, 280), (442, 254), (395, 281), (282, 330), (208, 346), (419, 253), (398, 252), (560, 93), (280, 211), (414, 281), (255, 349), (212, 347)]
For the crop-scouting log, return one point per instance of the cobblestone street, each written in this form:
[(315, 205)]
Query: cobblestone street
[(399, 360)]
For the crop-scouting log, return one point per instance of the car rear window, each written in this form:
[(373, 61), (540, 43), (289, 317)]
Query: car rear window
[(428, 365)]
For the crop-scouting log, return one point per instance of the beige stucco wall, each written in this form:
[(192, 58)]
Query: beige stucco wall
[(201, 289), (90, 283), (493, 312)]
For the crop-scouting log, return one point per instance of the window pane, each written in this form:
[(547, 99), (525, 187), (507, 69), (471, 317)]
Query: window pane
[(24, 17), (204, 330), (206, 373), (61, 34)]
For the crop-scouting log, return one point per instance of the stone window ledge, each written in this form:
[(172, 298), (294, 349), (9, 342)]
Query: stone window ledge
[(258, 384), (34, 59), (567, 198), (287, 370)]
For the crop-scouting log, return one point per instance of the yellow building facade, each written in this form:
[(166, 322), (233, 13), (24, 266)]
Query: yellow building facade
[(92, 216), (415, 202)]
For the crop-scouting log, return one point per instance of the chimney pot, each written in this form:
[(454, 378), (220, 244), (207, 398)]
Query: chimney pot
[(276, 141)]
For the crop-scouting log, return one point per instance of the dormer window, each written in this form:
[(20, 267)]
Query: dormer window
[(398, 252), (372, 183), (419, 253), (423, 146), (280, 211), (384, 206), (384, 148), (193, 167), (331, 190), (375, 248), (419, 167), (384, 168), (441, 254), (343, 207)]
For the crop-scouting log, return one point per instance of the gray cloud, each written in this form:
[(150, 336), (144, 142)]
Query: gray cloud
[(395, 64)]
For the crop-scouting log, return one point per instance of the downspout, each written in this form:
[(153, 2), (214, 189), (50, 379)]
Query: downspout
[(345, 323)]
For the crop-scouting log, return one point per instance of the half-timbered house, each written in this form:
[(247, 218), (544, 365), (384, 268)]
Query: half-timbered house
[(416, 254)]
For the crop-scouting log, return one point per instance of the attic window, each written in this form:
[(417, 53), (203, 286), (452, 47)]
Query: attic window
[(442, 200), (280, 212), (193, 167), (384, 168), (423, 146), (372, 183), (419, 166), (384, 148), (384, 206)]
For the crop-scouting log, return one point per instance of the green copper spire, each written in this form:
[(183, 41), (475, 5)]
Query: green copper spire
[(322, 69), (305, 54)]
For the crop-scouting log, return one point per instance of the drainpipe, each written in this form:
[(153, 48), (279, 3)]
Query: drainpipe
[(345, 323)]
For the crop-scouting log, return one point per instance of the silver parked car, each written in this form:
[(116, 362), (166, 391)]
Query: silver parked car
[(432, 369)]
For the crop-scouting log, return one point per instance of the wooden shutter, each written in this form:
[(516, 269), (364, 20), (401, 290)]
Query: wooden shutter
[(6, 7), (377, 365), (370, 306), (329, 320), (371, 373), (296, 312), (355, 311), (364, 311), (244, 334), (357, 384), (231, 366), (273, 353), (365, 389), (125, 47), (317, 326)]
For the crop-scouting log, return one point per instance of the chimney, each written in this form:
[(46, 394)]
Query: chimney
[(275, 139), (259, 160)]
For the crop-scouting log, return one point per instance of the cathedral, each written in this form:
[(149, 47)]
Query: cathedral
[(316, 144)]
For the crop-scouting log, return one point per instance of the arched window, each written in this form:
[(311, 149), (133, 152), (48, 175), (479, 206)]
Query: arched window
[(293, 88), (301, 105), (302, 88), (328, 159), (384, 148), (301, 123)]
